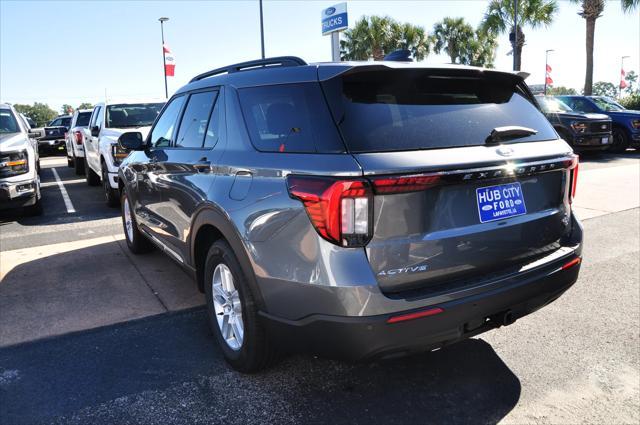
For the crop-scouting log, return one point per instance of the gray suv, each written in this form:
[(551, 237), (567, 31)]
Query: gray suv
[(355, 210)]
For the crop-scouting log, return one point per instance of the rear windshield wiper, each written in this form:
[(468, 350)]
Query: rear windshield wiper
[(501, 134)]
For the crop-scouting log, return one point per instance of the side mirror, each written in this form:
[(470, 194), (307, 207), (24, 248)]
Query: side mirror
[(131, 141), (95, 131)]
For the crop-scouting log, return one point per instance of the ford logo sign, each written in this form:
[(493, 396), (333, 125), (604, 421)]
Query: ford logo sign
[(504, 151), (330, 11)]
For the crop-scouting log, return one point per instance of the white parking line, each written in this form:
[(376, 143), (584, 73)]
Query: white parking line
[(63, 191)]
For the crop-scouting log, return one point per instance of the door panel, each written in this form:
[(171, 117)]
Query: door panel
[(189, 170)]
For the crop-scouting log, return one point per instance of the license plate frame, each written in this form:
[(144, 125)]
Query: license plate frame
[(499, 202)]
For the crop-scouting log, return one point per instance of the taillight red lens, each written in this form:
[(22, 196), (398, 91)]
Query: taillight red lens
[(574, 178), (402, 184), (338, 209), (78, 136)]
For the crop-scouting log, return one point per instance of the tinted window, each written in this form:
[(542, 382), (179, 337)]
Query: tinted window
[(289, 118), (66, 122), (55, 123), (100, 117), (608, 104), (8, 123), (195, 119), (552, 105), (83, 119), (213, 130), (165, 126), (579, 104), (132, 115), (394, 110)]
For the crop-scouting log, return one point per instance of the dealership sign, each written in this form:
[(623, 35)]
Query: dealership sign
[(334, 18)]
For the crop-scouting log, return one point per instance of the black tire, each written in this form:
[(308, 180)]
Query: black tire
[(79, 166), (256, 352), (70, 162), (92, 178), (620, 140), (34, 210), (137, 242), (110, 194)]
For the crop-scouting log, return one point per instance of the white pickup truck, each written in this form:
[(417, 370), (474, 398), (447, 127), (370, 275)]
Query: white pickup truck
[(76, 136), (102, 154), (19, 179)]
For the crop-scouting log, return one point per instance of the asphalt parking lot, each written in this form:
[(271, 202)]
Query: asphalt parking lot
[(92, 334)]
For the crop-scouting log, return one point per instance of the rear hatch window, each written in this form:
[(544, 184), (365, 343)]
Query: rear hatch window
[(410, 109)]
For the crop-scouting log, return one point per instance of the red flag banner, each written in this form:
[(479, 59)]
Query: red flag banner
[(169, 62), (548, 80), (623, 83)]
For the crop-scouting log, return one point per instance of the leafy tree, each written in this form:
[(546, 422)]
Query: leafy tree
[(66, 109), (376, 36), (38, 112), (605, 88), (534, 13), (85, 105), (560, 90), (452, 35), (631, 78), (591, 10), (631, 102)]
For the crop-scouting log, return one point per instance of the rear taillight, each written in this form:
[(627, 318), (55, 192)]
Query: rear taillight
[(78, 136), (403, 184), (573, 172), (340, 210)]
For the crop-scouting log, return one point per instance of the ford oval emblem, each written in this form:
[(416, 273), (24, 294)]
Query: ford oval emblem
[(504, 151), (330, 11)]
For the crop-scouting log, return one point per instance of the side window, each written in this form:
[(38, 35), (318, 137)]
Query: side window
[(213, 130), (94, 117), (195, 119), (56, 122), (165, 125), (100, 117)]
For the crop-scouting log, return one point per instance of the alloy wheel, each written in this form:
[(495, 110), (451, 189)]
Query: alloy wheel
[(227, 306)]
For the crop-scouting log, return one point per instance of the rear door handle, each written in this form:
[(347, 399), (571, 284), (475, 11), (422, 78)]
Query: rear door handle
[(203, 166)]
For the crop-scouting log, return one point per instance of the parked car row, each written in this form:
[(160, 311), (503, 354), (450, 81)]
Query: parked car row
[(592, 122)]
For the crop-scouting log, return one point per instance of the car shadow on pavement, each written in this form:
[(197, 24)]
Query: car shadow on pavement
[(167, 369)]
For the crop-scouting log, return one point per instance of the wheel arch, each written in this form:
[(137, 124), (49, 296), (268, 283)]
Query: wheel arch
[(210, 225)]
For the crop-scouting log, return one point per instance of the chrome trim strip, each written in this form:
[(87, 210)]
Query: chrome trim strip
[(163, 246)]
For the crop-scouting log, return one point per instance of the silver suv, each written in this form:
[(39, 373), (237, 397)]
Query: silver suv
[(356, 210)]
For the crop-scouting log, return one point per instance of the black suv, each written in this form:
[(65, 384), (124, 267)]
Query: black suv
[(357, 210)]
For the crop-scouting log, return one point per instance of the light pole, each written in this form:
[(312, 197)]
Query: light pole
[(261, 30), (621, 69), (164, 62), (546, 67)]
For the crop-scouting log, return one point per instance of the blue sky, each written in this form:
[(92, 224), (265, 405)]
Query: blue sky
[(69, 52)]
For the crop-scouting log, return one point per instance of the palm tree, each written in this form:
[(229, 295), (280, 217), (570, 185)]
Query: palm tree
[(629, 5), (452, 35), (534, 13), (481, 50), (591, 10), (410, 37), (376, 36)]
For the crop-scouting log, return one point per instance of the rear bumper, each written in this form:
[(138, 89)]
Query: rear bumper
[(369, 337), (362, 338)]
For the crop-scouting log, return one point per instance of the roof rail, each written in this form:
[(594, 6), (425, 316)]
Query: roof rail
[(259, 63)]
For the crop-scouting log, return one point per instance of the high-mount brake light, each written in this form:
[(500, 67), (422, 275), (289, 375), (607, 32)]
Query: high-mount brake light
[(339, 210), (78, 137), (403, 184)]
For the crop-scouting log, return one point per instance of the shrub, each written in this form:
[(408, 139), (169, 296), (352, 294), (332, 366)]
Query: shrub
[(631, 102)]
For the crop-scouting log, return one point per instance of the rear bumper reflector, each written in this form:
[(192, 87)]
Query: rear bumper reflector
[(572, 263), (416, 315)]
